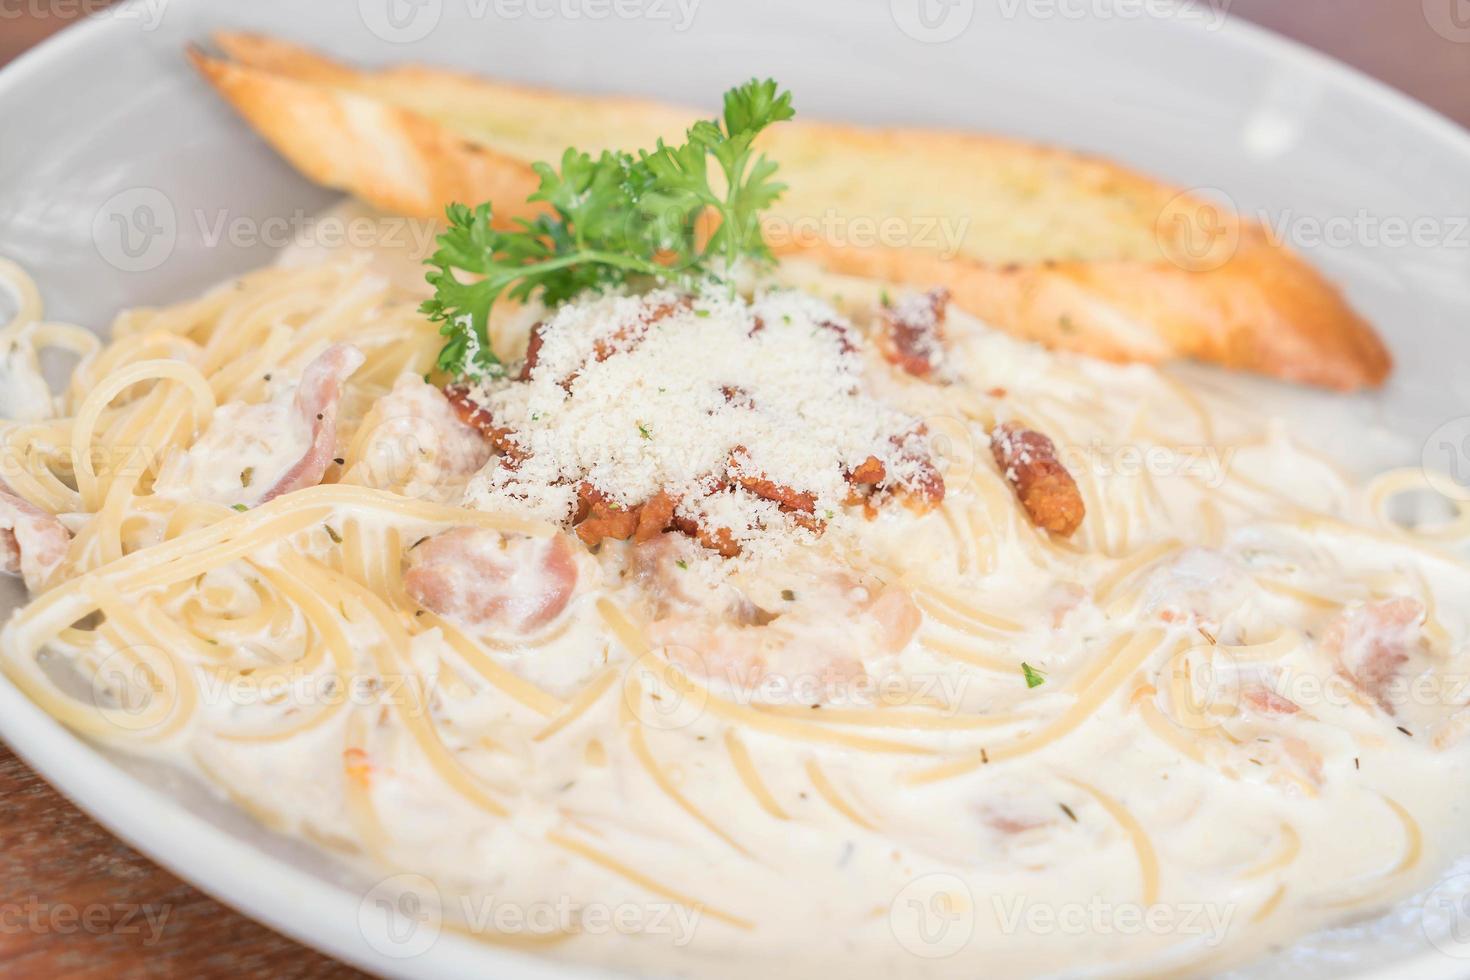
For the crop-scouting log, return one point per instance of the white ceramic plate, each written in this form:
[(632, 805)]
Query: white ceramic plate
[(117, 166)]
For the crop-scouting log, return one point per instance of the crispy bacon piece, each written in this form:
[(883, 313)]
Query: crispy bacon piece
[(719, 539), (927, 484), (870, 472), (844, 336), (32, 542), (912, 332), (787, 498), (599, 518), (1371, 645), (631, 335), (737, 396), (655, 516), (484, 578), (533, 352), (604, 518), (317, 397), (1045, 488), (478, 417)]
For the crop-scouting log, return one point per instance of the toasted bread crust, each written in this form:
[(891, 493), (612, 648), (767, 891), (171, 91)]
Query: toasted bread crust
[(1142, 293), (1264, 311)]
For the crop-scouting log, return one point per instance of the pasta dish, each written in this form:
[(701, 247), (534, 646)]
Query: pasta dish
[(759, 617)]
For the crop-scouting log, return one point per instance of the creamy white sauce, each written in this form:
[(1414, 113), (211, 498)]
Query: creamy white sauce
[(1021, 866)]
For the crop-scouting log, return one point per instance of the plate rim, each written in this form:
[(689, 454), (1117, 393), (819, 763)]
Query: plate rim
[(206, 856)]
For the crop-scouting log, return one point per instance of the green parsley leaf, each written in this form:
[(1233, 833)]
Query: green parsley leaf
[(239, 507), (611, 220), (1034, 677)]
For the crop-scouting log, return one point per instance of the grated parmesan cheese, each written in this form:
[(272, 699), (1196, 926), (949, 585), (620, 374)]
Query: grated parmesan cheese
[(637, 394)]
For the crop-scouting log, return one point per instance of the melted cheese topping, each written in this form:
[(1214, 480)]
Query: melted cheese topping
[(641, 394)]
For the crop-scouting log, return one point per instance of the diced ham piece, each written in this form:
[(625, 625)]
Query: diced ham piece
[(255, 452), (420, 445), (897, 616), (1201, 586), (32, 542), (1371, 645), (317, 397), (486, 579), (1263, 700)]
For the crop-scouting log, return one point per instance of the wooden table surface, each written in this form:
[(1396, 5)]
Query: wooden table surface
[(76, 901)]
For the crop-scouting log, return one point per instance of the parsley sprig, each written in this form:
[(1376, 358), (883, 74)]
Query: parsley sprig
[(611, 220)]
